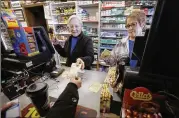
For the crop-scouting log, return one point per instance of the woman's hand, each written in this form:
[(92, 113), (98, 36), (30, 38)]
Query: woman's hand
[(105, 53), (80, 62), (55, 41)]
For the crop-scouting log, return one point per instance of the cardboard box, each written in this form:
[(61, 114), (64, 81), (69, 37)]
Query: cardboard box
[(141, 103)]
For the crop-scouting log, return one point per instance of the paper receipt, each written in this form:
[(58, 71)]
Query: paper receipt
[(95, 87)]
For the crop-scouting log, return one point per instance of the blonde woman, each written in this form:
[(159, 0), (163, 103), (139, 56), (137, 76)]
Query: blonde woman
[(135, 22)]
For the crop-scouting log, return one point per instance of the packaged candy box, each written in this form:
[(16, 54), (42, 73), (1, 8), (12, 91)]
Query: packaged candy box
[(141, 103)]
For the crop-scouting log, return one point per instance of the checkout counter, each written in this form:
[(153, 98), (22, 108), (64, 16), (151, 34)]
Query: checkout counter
[(56, 88)]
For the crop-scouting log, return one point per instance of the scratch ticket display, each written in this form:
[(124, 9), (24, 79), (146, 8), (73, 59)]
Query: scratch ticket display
[(140, 103), (23, 41)]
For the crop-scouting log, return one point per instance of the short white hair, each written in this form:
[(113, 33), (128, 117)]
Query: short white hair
[(74, 17)]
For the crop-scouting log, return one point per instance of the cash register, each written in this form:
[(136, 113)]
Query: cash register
[(17, 70)]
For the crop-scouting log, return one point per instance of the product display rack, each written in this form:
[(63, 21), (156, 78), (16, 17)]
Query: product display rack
[(110, 20), (89, 13), (60, 12), (112, 27)]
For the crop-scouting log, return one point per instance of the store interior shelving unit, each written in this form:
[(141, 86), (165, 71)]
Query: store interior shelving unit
[(113, 17), (60, 12), (112, 25), (88, 11)]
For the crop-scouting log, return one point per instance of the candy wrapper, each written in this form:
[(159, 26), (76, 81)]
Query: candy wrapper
[(140, 103), (105, 99), (111, 77)]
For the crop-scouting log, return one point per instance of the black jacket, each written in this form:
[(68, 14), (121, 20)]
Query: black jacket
[(65, 106), (83, 50)]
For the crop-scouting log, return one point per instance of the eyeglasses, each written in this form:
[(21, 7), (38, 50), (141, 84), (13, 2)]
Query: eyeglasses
[(74, 26), (131, 25)]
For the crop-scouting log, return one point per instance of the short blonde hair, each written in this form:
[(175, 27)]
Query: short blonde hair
[(74, 17), (139, 15)]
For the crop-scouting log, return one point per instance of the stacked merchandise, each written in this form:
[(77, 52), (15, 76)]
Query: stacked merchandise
[(112, 23), (111, 77), (86, 17), (84, 14), (105, 99), (67, 9), (147, 6), (6, 41), (90, 31), (113, 19), (61, 29), (89, 13), (80, 2), (60, 12)]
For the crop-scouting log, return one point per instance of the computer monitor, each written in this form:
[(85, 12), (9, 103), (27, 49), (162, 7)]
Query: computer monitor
[(161, 54), (139, 46)]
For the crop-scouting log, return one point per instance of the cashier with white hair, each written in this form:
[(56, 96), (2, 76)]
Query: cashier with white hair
[(79, 47)]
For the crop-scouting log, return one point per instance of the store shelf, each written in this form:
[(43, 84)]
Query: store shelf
[(63, 14), (110, 7), (113, 15), (89, 5), (112, 37), (109, 43), (113, 29), (88, 21), (114, 22), (110, 48), (65, 3), (93, 35), (17, 8)]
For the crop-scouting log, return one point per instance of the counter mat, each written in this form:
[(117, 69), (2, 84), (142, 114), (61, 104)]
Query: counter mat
[(81, 112)]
